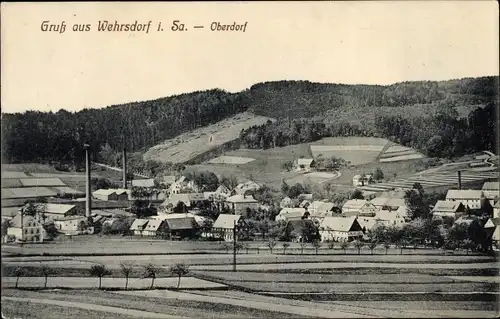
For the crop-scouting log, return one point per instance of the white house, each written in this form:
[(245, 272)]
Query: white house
[(111, 194), (57, 211), (340, 229), (468, 197), (224, 226), (246, 186), (391, 218), (362, 180), (138, 226), (356, 207), (321, 209), (31, 231), (491, 191), (304, 164), (153, 227), (448, 208), (369, 223), (240, 203), (183, 185), (146, 183), (492, 227), (286, 202), (73, 225), (289, 213)]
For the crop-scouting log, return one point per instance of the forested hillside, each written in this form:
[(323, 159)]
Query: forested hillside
[(430, 116)]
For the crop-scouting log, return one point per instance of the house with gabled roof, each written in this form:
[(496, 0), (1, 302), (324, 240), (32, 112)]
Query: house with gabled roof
[(289, 213), (111, 194), (190, 200), (146, 183), (154, 228), (491, 191), (138, 226), (55, 211), (223, 226), (27, 228), (448, 208), (340, 229), (492, 228), (183, 227), (468, 197), (301, 230), (304, 164), (242, 188), (322, 209), (358, 207), (241, 203)]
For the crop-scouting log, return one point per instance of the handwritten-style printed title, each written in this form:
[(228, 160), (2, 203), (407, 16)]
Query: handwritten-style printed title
[(139, 27)]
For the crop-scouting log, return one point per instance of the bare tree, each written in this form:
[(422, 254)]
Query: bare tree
[(387, 245), (99, 271), (271, 243), (46, 271), (358, 244), (126, 270), (316, 244), (285, 246), (372, 245), (150, 271), (19, 272), (344, 245), (302, 245), (179, 270)]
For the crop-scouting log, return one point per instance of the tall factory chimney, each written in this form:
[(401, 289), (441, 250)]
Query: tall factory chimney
[(88, 197), (124, 165), (459, 180)]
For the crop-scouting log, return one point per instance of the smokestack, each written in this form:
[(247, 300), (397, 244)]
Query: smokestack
[(88, 201), (124, 165), (459, 180)]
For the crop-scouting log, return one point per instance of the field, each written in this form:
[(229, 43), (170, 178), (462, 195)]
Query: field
[(356, 150), (189, 145), (235, 160)]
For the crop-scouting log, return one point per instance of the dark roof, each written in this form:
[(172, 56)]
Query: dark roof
[(181, 223)]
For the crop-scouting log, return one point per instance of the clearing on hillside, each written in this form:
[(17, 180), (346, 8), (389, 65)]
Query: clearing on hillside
[(190, 145), (235, 160)]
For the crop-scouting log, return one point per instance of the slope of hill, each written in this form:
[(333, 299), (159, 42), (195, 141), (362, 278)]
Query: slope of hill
[(340, 110), (189, 147)]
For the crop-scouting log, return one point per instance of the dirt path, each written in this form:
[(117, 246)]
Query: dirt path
[(305, 309), (94, 307)]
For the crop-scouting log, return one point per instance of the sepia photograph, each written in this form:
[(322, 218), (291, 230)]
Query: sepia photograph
[(268, 159)]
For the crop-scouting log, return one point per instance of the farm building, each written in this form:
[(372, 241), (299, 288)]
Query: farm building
[(168, 179), (468, 197), (362, 180), (304, 164), (390, 204), (340, 229), (183, 185), (184, 227), (492, 228), (304, 204), (27, 192), (224, 226), (286, 202), (491, 191), (111, 194), (448, 208), (190, 200), (221, 193), (56, 211), (301, 230), (321, 209), (370, 223), (391, 218), (242, 188), (145, 183), (200, 220), (27, 229), (240, 203), (357, 207), (290, 213), (154, 227), (138, 226), (73, 225)]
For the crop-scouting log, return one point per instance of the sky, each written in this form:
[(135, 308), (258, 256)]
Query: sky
[(335, 42)]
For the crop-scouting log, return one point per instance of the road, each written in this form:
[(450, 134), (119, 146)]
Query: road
[(94, 307)]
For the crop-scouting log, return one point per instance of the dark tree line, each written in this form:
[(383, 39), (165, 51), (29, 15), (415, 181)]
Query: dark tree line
[(42, 137), (305, 112)]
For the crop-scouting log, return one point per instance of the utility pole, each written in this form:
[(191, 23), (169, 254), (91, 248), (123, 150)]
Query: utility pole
[(234, 246), (88, 204)]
